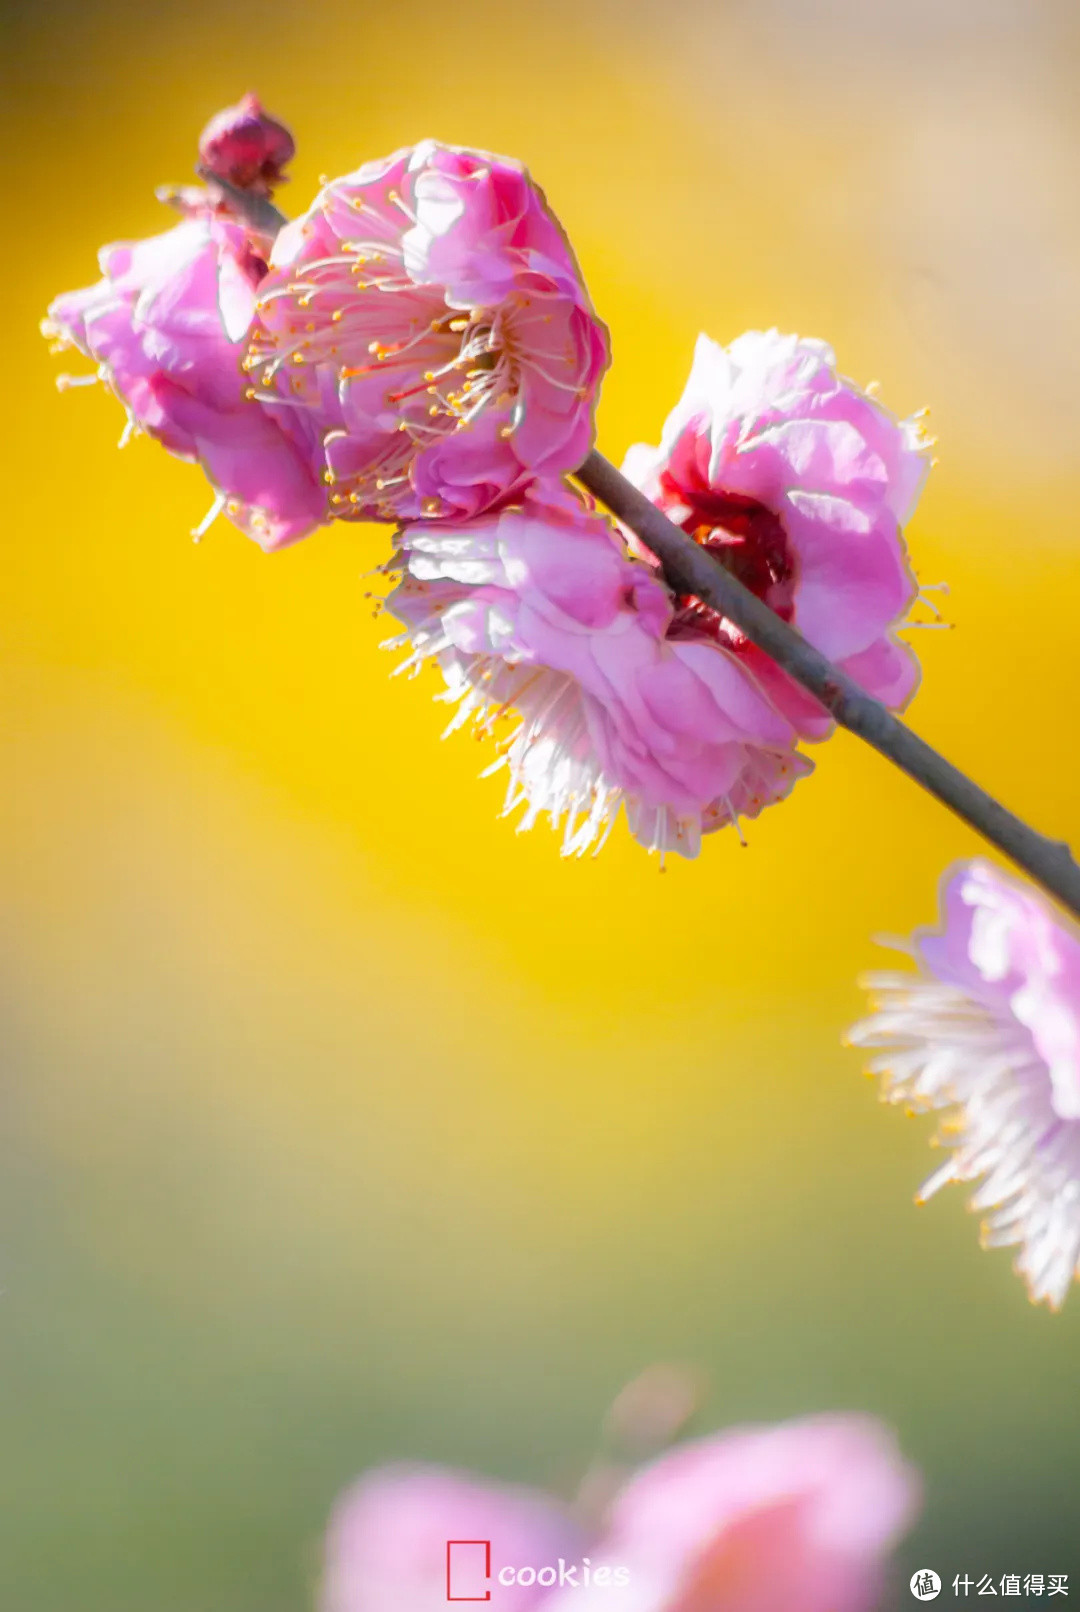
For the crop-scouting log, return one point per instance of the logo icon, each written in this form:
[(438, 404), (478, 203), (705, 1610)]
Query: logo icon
[(468, 1569), (925, 1584)]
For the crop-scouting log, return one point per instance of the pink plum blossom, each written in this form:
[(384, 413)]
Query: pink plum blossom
[(163, 325), (988, 1030), (246, 146), (800, 484), (802, 1516), (540, 608), (426, 314)]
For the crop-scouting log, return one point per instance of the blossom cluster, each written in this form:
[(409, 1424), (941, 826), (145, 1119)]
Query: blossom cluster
[(418, 348)]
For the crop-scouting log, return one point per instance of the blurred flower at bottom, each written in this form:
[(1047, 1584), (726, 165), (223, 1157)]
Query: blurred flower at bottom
[(800, 1516)]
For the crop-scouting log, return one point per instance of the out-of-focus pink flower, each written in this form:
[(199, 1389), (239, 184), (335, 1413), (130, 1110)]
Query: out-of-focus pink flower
[(799, 483), (989, 1030), (246, 146), (387, 1543), (428, 315), (799, 1517), (539, 608), (163, 326)]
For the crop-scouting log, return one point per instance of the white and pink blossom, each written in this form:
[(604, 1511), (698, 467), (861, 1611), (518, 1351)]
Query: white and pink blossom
[(987, 1030), (538, 609)]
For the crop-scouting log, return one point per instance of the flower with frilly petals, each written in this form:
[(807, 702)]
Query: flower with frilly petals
[(163, 327), (799, 483), (246, 146), (989, 1030), (801, 1516), (538, 607), (427, 315)]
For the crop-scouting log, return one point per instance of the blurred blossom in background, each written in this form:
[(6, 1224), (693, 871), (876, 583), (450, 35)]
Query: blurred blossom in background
[(341, 1126), (758, 1519)]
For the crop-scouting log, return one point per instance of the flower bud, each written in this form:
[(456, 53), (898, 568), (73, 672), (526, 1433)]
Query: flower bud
[(246, 146)]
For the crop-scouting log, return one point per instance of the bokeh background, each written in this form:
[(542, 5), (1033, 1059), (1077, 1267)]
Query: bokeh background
[(339, 1123)]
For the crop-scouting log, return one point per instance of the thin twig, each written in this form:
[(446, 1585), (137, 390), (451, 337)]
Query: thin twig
[(691, 569), (258, 211)]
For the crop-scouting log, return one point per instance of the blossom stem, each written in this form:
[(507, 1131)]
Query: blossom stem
[(691, 569), (256, 210)]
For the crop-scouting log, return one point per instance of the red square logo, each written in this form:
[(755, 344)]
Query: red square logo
[(468, 1569)]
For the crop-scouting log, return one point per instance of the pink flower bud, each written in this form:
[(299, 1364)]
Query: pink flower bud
[(246, 146)]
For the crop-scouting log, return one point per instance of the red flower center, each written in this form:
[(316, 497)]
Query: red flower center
[(749, 541)]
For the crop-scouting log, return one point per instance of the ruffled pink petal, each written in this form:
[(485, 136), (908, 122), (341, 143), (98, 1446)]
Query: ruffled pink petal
[(236, 296), (271, 492), (465, 474), (889, 670), (481, 226), (853, 581), (570, 355), (806, 455)]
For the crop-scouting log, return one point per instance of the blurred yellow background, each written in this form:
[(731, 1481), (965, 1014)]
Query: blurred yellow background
[(340, 1123)]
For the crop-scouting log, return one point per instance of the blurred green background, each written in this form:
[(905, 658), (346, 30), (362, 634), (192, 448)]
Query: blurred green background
[(339, 1124)]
